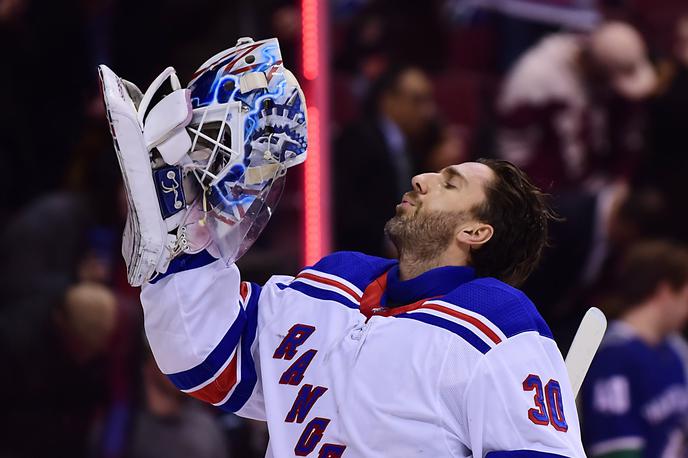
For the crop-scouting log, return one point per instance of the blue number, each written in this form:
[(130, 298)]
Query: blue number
[(555, 406), (537, 415), (554, 412)]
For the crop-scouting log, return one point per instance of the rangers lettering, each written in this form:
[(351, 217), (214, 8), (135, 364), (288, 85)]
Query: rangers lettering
[(296, 336), (312, 434), (294, 374), (331, 451), (304, 403)]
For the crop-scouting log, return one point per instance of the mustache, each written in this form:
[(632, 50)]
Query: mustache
[(411, 196)]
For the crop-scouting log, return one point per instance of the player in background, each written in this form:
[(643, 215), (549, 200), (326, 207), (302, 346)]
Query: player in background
[(434, 354), (635, 397)]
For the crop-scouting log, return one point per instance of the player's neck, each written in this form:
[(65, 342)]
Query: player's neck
[(411, 267), (646, 324)]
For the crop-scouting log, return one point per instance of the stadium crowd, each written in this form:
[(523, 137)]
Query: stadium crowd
[(590, 97)]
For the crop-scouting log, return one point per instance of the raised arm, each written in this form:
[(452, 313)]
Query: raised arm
[(201, 325), (203, 169)]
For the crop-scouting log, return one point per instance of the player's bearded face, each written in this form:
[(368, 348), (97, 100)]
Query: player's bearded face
[(423, 235)]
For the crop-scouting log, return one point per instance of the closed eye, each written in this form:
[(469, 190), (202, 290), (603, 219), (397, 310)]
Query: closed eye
[(451, 175)]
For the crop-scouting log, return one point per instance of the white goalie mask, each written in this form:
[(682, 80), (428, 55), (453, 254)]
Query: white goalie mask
[(249, 119), (216, 154)]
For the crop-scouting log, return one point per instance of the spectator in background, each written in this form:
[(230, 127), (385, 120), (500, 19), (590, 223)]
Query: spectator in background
[(376, 157), (521, 23), (171, 424), (587, 245), (58, 380), (447, 146), (72, 357), (569, 111), (635, 398), (668, 166)]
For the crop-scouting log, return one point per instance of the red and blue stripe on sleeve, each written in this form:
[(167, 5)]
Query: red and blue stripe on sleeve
[(227, 376)]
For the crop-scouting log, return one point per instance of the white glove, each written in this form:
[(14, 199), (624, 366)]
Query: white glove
[(157, 201)]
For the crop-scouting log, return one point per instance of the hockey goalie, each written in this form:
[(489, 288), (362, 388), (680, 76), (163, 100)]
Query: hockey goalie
[(434, 354)]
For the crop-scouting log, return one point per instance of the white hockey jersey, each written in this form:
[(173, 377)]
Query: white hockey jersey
[(347, 360)]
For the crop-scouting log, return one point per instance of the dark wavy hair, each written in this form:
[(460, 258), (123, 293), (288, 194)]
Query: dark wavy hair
[(519, 213), (646, 266)]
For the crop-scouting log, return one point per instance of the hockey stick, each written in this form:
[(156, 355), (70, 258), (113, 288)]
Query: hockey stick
[(584, 346)]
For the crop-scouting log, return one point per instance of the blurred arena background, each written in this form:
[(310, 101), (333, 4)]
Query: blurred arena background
[(599, 119)]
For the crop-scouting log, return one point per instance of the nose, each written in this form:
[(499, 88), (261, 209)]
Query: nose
[(421, 183)]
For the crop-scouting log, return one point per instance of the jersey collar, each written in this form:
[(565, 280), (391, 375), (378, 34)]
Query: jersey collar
[(388, 294), (433, 283)]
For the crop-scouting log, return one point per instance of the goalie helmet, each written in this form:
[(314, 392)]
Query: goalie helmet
[(204, 166)]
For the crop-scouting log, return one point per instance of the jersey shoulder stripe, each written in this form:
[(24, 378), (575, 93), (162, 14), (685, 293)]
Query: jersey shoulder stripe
[(357, 270), (477, 323), (504, 309), (316, 291), (484, 313), (341, 277), (472, 327), (330, 282), (460, 330)]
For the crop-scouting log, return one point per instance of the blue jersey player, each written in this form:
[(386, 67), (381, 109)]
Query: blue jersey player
[(635, 399)]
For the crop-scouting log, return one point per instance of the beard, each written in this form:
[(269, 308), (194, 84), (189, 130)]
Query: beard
[(423, 237)]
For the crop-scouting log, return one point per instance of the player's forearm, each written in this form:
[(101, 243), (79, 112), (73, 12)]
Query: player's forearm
[(194, 320)]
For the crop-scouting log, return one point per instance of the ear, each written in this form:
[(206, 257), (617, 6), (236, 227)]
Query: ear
[(475, 234)]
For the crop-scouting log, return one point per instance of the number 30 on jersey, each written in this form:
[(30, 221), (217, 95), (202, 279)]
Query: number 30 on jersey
[(551, 396)]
